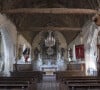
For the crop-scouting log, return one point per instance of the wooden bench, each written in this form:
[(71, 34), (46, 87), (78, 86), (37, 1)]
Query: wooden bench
[(37, 75), (64, 78), (85, 86), (29, 79), (81, 82), (72, 73), (11, 84), (19, 82)]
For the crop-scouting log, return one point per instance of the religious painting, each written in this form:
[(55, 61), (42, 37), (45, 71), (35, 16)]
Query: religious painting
[(79, 50)]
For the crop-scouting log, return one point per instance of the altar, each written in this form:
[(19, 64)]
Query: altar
[(49, 70)]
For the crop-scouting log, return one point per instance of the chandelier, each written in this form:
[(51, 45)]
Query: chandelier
[(50, 40)]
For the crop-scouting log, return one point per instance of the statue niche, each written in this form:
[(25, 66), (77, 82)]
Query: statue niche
[(36, 52)]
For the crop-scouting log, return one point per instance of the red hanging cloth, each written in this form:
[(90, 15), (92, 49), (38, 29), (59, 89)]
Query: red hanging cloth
[(79, 50)]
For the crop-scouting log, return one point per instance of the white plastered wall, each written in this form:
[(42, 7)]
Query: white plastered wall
[(8, 32), (9, 36), (89, 35)]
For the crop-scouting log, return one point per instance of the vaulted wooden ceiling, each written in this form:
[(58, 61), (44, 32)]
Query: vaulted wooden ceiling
[(33, 16)]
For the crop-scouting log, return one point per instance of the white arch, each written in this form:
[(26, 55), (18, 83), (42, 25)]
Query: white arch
[(8, 32), (90, 34), (63, 44), (59, 36)]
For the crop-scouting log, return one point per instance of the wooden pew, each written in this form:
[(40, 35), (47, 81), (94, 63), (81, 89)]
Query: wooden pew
[(79, 78), (19, 82), (37, 75), (84, 86), (72, 73), (81, 83), (12, 84), (22, 79)]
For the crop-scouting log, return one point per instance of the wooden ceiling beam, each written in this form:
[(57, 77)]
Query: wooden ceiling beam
[(50, 28), (49, 11)]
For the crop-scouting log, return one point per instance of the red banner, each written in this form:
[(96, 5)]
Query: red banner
[(79, 50)]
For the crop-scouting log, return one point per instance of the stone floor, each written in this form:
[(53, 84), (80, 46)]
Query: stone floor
[(50, 83)]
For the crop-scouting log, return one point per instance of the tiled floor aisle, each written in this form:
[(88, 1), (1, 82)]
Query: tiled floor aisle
[(49, 83)]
